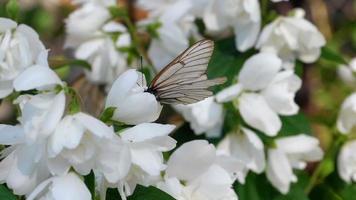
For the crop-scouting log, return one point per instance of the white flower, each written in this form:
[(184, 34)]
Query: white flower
[(25, 162), (83, 142), (171, 42), (347, 116), (243, 16), (91, 33), (133, 105), (290, 152), (20, 48), (205, 116), (207, 174), (24, 165), (40, 114), (146, 142), (246, 147), (263, 91), (346, 162), (38, 76), (85, 23), (177, 25), (65, 187), (347, 72), (292, 37), (213, 186)]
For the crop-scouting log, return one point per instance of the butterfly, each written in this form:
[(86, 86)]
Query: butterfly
[(184, 80)]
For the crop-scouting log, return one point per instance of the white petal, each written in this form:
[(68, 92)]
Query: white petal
[(345, 160), (6, 24), (54, 115), (279, 172), (69, 187), (148, 160), (246, 34), (10, 135), (229, 93), (280, 93), (5, 88), (121, 88), (94, 125), (191, 160), (256, 112), (204, 116), (68, 134), (36, 77), (259, 70), (138, 108), (146, 131), (114, 159), (300, 148), (347, 115), (113, 26), (58, 165), (171, 42)]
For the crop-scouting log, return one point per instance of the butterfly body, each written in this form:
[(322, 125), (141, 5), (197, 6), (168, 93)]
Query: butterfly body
[(184, 80)]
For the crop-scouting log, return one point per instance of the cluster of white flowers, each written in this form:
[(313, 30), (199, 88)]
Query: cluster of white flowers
[(266, 84), (49, 142), (51, 147), (98, 39), (346, 124)]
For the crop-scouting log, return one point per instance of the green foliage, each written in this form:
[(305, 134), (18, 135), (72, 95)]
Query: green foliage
[(89, 181), (152, 29), (62, 62), (295, 124), (140, 193), (330, 55), (6, 194), (74, 105), (257, 187), (149, 193), (107, 114), (43, 21), (12, 9)]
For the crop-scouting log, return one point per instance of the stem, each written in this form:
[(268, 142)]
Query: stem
[(136, 41), (329, 155)]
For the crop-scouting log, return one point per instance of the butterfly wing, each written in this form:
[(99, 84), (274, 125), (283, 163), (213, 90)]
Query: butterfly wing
[(184, 80)]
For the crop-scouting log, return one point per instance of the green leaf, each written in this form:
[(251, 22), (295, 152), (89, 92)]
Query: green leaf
[(349, 192), (327, 167), (12, 9), (6, 194), (63, 72), (257, 187), (330, 55), (74, 105), (61, 61), (107, 114), (112, 194), (89, 181), (149, 193), (152, 29), (295, 124)]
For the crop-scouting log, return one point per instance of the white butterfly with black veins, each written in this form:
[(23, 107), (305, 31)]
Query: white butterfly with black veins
[(184, 80)]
